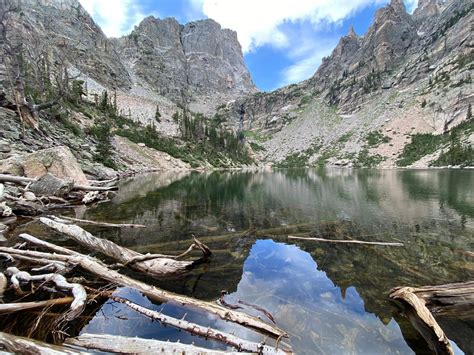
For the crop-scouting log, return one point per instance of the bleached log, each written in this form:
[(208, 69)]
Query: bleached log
[(95, 223), (157, 266), (21, 306), (20, 345), (347, 241), (77, 290), (3, 284), (208, 333), (128, 345), (422, 320), (22, 179), (154, 293)]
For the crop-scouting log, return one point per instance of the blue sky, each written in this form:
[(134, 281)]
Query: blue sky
[(283, 40)]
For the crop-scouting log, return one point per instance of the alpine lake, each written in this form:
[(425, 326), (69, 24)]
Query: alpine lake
[(330, 298)]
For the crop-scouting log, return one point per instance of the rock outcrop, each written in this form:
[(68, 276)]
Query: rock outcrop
[(197, 62), (57, 161)]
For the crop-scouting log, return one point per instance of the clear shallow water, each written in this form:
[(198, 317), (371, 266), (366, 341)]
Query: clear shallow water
[(331, 298)]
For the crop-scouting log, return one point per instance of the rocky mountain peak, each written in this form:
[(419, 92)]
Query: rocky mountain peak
[(352, 33), (186, 63), (398, 6)]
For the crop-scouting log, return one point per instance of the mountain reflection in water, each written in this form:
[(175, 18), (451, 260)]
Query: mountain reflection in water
[(329, 297)]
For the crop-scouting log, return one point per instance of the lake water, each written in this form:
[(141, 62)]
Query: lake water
[(330, 298)]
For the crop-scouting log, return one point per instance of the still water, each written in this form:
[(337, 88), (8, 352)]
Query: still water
[(330, 298)]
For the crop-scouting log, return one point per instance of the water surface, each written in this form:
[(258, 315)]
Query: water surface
[(331, 298)]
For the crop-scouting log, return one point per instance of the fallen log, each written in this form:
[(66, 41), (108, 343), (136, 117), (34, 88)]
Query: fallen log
[(422, 320), (454, 300), (208, 333), (392, 244), (154, 293), (22, 306), (127, 345), (77, 290), (21, 179), (156, 266), (20, 345), (95, 223)]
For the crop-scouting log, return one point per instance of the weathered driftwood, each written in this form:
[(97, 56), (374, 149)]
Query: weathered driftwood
[(454, 300), (348, 241), (22, 306), (422, 320), (102, 182), (20, 345), (99, 269), (22, 179), (68, 220), (158, 266), (208, 333), (127, 345), (77, 290)]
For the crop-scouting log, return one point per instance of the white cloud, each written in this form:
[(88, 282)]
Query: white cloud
[(115, 17), (307, 59), (258, 22)]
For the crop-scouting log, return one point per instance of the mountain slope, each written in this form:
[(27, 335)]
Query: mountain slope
[(408, 74)]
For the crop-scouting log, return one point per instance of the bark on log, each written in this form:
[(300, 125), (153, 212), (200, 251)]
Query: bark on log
[(22, 179), (152, 292), (346, 241), (126, 345), (102, 224), (77, 290), (208, 333), (159, 267), (20, 345), (422, 320)]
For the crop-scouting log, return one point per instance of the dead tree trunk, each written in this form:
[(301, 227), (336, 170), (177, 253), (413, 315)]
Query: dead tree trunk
[(126, 345), (157, 266), (208, 333), (454, 298), (20, 345), (97, 268)]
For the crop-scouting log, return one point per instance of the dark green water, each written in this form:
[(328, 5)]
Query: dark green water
[(331, 298)]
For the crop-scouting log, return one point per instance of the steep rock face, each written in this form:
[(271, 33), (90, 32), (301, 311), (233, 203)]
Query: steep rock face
[(189, 63), (154, 53), (214, 59), (65, 32), (358, 64)]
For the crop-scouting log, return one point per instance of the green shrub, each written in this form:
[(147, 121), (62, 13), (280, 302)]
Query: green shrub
[(376, 138), (421, 144)]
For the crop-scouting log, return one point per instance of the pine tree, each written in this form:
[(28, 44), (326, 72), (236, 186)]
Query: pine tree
[(157, 114)]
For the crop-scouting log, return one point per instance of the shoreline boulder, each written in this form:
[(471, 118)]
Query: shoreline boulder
[(58, 161)]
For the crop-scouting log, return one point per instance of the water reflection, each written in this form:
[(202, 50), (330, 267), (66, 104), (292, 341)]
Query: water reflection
[(332, 298)]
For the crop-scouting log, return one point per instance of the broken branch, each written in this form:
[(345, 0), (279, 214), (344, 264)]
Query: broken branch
[(392, 244), (94, 223)]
